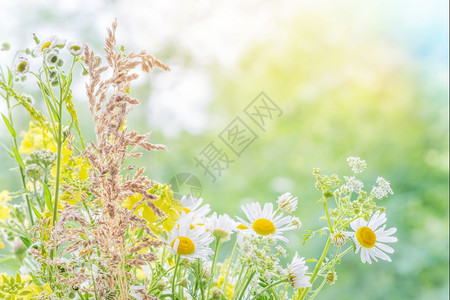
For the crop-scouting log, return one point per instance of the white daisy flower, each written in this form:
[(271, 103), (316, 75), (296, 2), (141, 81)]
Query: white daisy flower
[(370, 238), (192, 208), (296, 272), (21, 66), (45, 45), (287, 203), (75, 48), (263, 222), (190, 243), (220, 226), (59, 43)]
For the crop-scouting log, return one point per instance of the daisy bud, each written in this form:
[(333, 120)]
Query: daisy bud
[(52, 58), (22, 66), (75, 48), (339, 239), (331, 277), (287, 203), (5, 46)]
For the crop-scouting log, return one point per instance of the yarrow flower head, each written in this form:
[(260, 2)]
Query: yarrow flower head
[(353, 185), (358, 165), (190, 243), (75, 48), (370, 238), (297, 272), (287, 203), (22, 65), (220, 226), (382, 190), (263, 222)]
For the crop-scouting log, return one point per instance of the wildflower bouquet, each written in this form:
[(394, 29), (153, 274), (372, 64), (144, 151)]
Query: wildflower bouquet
[(89, 226)]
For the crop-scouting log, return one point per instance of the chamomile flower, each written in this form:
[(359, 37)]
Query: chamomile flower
[(190, 243), (370, 238), (297, 272), (287, 203), (192, 208), (45, 45), (263, 222), (75, 48), (220, 226), (22, 65)]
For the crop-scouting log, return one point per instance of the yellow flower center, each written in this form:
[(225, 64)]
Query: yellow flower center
[(46, 45), (241, 227), (22, 66), (263, 226), (75, 48), (186, 210), (185, 247), (366, 237)]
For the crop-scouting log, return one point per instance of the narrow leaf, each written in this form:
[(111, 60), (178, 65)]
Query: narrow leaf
[(48, 197), (10, 128)]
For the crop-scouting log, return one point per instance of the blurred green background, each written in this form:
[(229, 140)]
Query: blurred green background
[(367, 79)]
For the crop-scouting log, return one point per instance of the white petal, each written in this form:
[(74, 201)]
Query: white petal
[(384, 247)]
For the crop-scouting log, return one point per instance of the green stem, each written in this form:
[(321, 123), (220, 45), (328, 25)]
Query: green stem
[(328, 216), (246, 285), (216, 251), (233, 253), (317, 268), (177, 262), (272, 285), (318, 289), (58, 164)]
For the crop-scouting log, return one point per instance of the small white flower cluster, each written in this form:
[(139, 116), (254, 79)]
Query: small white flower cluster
[(382, 190), (353, 185), (358, 165)]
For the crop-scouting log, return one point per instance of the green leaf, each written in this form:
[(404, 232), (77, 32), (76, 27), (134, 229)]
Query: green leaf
[(10, 128), (26, 242), (48, 197), (18, 157), (37, 213), (20, 192)]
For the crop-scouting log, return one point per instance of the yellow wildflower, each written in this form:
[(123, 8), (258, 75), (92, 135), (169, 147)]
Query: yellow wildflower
[(17, 287), (165, 202), (4, 209), (37, 138), (140, 274)]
